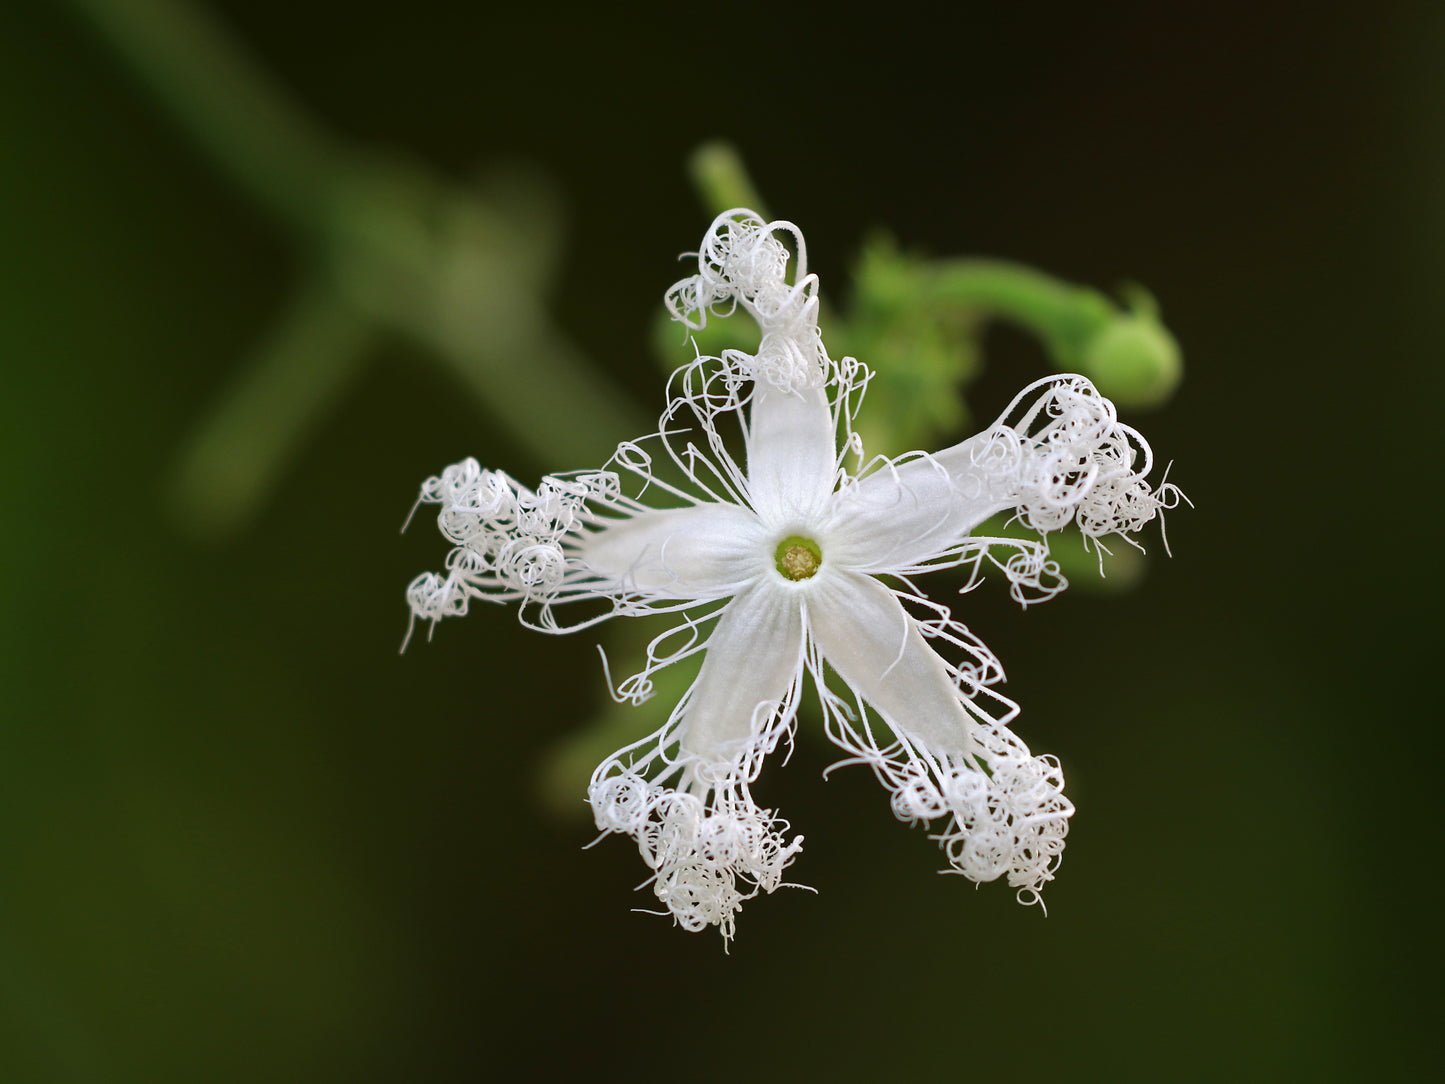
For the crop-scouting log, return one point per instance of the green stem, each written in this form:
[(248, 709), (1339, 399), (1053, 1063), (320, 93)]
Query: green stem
[(1126, 350), (1066, 316), (261, 139)]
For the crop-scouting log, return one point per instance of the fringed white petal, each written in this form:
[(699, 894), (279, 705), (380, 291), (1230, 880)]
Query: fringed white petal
[(754, 662), (1004, 811), (864, 633), (792, 454), (710, 850), (792, 447), (704, 551), (683, 794), (1057, 455), (904, 514)]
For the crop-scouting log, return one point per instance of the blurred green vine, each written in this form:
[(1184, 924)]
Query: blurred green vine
[(386, 247)]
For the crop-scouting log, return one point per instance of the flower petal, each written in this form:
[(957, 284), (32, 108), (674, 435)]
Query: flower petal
[(754, 656), (904, 514), (706, 551), (865, 634), (792, 453)]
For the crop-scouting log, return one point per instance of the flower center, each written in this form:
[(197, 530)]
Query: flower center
[(798, 558)]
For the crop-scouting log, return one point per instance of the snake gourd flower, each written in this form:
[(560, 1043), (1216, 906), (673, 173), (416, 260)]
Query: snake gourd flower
[(795, 563)]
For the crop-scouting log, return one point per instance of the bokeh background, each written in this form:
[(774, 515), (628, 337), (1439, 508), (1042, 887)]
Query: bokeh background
[(242, 839)]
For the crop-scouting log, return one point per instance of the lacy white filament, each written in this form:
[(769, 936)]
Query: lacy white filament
[(904, 687)]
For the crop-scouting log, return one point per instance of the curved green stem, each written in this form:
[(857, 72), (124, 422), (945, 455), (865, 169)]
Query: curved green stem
[(1127, 351), (1067, 317)]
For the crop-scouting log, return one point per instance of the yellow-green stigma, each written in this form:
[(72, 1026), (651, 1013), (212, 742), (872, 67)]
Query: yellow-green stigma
[(798, 558)]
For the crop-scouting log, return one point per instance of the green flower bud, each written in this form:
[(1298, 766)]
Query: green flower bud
[(1134, 359)]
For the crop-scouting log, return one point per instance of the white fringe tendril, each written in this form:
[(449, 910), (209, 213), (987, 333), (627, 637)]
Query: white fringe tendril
[(904, 687)]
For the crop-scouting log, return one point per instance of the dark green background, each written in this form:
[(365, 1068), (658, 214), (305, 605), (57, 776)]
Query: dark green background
[(241, 839)]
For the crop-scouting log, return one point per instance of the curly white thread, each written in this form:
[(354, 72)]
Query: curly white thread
[(1057, 456)]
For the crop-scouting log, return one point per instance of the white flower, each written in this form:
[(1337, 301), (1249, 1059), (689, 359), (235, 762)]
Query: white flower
[(773, 566)]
